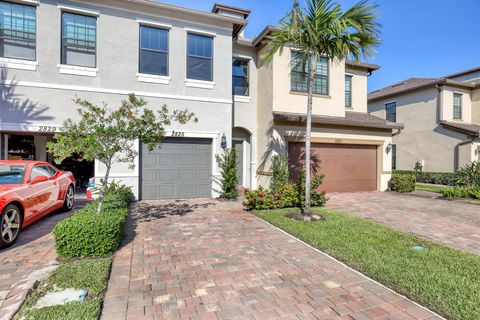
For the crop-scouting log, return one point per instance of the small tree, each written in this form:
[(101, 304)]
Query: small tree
[(109, 135), (280, 174), (228, 170)]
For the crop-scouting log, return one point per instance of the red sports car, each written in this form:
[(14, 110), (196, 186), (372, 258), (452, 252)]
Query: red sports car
[(29, 190)]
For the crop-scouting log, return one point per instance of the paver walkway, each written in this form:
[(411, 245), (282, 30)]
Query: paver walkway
[(211, 260), (29, 260), (453, 223)]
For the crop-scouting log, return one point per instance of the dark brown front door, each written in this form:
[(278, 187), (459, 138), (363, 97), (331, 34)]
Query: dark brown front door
[(348, 167)]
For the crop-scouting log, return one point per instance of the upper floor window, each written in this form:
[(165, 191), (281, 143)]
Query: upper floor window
[(153, 51), (240, 77), (348, 91), (79, 40), (17, 31), (299, 74), (199, 57), (457, 106), (391, 111)]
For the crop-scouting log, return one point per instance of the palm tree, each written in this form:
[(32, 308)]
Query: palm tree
[(322, 29)]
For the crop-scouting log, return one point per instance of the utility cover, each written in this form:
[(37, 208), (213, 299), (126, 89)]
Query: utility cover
[(61, 297), (418, 248)]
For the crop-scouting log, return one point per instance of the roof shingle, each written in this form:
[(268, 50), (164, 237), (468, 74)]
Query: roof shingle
[(355, 119)]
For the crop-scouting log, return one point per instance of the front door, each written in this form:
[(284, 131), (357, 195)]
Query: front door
[(238, 145)]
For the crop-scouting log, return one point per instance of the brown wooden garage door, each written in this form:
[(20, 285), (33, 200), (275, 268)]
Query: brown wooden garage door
[(348, 167)]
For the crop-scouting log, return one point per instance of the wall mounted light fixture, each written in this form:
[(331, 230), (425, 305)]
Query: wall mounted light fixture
[(388, 148)]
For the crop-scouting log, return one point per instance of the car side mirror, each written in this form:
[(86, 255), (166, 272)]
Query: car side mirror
[(38, 179)]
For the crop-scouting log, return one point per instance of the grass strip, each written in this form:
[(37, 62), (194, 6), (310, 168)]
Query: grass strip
[(429, 188), (92, 274)]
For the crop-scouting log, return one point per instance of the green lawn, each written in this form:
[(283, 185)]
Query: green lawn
[(443, 279), (429, 188), (91, 274)]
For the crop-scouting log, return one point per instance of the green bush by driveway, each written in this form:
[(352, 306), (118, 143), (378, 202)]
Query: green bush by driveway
[(403, 183), (91, 234), (445, 280), (444, 178)]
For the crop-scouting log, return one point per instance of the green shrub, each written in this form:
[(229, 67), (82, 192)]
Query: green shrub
[(402, 182), (280, 174), (289, 195), (444, 178), (228, 171), (469, 175), (462, 192), (91, 234), (119, 189)]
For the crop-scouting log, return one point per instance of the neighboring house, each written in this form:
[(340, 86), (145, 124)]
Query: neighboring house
[(52, 51), (441, 118)]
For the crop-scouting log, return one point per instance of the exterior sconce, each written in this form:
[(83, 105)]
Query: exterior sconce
[(223, 143), (477, 152), (388, 148)]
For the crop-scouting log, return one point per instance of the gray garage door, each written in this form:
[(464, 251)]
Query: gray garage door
[(177, 169)]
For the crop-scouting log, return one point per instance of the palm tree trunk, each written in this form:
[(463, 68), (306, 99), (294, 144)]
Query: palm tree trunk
[(312, 66)]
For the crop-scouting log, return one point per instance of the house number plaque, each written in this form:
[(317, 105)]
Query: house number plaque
[(178, 134)]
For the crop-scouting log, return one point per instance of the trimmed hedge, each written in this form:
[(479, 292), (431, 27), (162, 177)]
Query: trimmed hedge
[(448, 179), (91, 234), (403, 182)]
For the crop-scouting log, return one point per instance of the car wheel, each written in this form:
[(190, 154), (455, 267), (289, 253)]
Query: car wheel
[(69, 199), (11, 222)]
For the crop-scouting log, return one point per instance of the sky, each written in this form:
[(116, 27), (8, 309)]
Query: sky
[(420, 38)]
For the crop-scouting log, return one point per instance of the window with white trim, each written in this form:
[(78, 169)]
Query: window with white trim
[(79, 40), (199, 57), (153, 51), (17, 31), (457, 106), (240, 77), (391, 111)]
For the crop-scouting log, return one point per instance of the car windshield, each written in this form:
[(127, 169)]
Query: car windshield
[(10, 174)]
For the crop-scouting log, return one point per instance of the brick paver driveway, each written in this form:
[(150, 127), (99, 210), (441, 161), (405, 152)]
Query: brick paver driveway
[(30, 259), (453, 223), (211, 260)]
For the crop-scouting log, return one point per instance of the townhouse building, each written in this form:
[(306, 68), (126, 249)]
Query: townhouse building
[(52, 51), (441, 117)]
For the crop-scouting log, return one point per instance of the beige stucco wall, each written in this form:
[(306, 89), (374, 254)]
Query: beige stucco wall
[(476, 106), (332, 104), (359, 89), (423, 138), (475, 151), (446, 104), (282, 133)]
